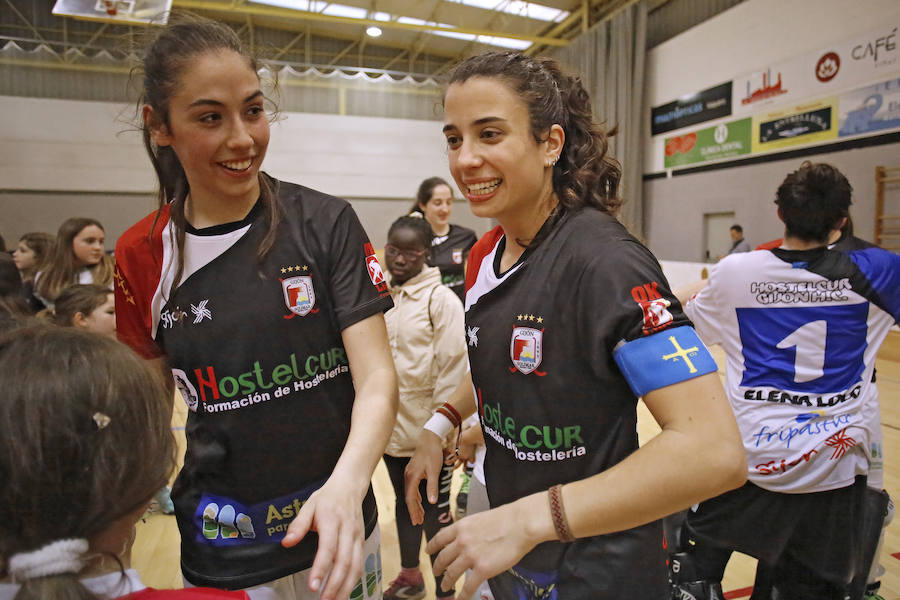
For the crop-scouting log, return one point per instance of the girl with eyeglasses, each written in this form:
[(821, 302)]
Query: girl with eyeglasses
[(425, 331)]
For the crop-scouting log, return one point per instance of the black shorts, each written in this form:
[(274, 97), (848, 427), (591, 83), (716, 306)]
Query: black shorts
[(820, 530)]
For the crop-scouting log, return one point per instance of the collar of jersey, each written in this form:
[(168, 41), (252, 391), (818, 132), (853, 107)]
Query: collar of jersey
[(226, 227), (552, 222), (793, 256)]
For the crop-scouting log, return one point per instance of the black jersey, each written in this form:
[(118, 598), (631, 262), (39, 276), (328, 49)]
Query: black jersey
[(544, 341), (449, 253), (256, 351)]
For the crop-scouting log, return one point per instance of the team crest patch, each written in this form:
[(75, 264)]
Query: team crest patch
[(526, 349), (299, 295), (373, 267), (457, 256)]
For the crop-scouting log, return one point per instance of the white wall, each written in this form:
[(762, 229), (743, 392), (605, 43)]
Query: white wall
[(61, 158), (749, 37)]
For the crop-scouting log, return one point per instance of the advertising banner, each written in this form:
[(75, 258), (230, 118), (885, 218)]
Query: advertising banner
[(796, 126), (707, 105), (870, 109), (725, 140), (847, 64)]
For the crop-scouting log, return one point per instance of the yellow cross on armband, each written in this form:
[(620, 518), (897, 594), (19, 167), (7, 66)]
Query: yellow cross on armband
[(663, 358)]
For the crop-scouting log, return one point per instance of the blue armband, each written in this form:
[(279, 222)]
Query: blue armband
[(664, 358)]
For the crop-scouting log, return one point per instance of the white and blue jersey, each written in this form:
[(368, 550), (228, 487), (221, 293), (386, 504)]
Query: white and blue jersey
[(801, 330)]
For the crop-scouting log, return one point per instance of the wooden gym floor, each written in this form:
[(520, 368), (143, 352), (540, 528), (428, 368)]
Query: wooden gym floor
[(156, 548)]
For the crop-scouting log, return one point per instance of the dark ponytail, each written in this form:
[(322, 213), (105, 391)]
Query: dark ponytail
[(166, 58)]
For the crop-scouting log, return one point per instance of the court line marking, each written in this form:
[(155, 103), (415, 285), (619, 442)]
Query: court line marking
[(739, 593)]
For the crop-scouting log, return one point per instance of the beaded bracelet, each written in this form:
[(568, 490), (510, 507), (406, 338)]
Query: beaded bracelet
[(558, 513)]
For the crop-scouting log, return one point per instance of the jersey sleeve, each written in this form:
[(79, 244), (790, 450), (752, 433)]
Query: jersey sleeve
[(882, 269), (627, 310), (358, 284), (135, 278)]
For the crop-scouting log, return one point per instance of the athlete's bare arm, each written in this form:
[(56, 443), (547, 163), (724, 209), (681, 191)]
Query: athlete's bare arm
[(425, 463), (697, 455), (685, 293), (334, 510)]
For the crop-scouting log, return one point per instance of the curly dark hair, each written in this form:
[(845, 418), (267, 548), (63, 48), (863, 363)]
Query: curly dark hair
[(584, 175)]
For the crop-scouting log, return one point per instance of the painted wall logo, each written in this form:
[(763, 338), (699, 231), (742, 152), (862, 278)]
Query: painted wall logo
[(526, 350), (828, 66), (881, 50), (299, 295), (654, 307), (761, 87), (531, 443)]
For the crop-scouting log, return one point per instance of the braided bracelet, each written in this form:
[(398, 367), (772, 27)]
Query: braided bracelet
[(558, 513)]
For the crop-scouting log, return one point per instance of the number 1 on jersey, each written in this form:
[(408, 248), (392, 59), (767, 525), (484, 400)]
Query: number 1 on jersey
[(808, 342)]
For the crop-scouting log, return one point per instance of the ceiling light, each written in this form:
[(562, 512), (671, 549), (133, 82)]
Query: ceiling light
[(373, 31)]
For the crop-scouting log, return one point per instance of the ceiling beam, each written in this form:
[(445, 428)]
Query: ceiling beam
[(290, 45), (297, 15), (343, 52)]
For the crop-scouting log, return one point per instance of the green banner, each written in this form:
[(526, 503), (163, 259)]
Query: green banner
[(725, 140)]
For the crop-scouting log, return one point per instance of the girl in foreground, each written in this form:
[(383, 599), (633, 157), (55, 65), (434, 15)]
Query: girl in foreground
[(265, 300), (568, 320), (86, 443)]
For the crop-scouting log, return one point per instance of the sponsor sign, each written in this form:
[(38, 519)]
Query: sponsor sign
[(796, 126), (712, 103), (853, 62), (725, 140), (870, 108)]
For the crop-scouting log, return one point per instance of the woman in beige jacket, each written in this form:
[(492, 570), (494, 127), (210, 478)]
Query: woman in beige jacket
[(425, 329)]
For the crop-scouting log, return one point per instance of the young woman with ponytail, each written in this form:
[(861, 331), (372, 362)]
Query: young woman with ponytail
[(265, 300), (569, 320)]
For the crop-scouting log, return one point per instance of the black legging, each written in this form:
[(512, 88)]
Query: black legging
[(437, 515)]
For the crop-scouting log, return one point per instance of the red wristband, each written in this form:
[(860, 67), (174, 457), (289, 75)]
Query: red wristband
[(558, 513)]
